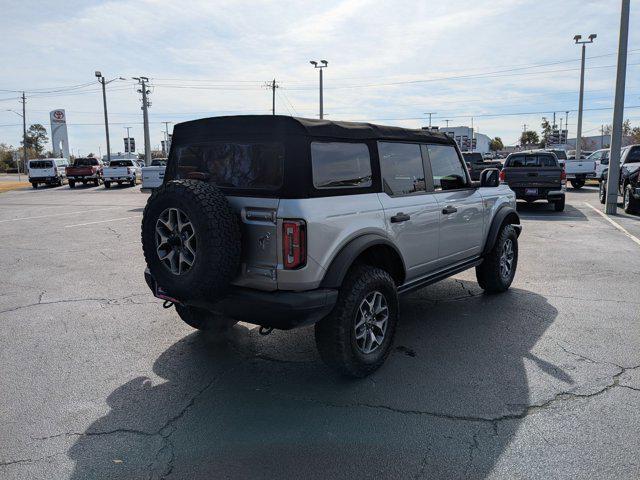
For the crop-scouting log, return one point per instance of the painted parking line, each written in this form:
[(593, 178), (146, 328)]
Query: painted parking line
[(57, 214), (101, 221), (615, 224)]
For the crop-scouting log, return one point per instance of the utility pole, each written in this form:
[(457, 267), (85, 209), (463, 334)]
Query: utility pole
[(24, 137), (578, 41), (601, 136), (323, 64), (166, 138), (613, 176), (145, 116), (472, 134), (430, 113), (103, 81), (447, 123), (272, 85)]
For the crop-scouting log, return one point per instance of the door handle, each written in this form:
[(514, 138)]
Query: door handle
[(449, 209), (400, 217)]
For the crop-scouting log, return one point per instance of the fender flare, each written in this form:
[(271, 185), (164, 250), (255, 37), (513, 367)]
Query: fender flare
[(505, 214), (344, 259)]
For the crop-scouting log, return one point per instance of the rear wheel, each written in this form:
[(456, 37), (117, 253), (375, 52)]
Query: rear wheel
[(107, 184), (204, 320), (558, 205), (498, 268), (629, 203), (602, 192), (577, 183), (72, 184), (356, 338), (34, 185), (96, 182)]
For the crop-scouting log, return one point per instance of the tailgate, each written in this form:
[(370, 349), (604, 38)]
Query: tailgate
[(116, 172), (546, 177), (41, 172), (580, 166)]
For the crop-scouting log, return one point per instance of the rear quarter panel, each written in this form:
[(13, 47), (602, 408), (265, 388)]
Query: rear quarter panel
[(332, 222)]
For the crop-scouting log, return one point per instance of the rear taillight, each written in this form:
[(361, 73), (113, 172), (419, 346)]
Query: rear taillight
[(294, 243), (502, 176), (563, 176)]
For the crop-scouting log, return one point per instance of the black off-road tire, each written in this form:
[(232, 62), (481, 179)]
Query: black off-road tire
[(488, 272), (217, 234), (204, 320), (558, 205), (335, 337), (629, 203), (602, 191), (107, 184)]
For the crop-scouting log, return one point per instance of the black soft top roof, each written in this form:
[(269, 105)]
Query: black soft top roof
[(282, 126)]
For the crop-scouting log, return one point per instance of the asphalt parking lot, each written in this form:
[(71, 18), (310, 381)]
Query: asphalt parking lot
[(99, 381)]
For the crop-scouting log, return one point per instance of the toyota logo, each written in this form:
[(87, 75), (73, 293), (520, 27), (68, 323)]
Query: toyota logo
[(58, 115)]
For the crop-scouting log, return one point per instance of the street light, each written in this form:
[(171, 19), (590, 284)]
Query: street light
[(323, 64), (104, 83), (579, 41)]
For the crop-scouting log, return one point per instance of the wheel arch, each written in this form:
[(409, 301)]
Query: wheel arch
[(370, 249), (506, 215)]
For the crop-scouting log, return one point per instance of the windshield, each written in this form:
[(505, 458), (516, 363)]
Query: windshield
[(159, 163), (85, 162), (121, 163), (561, 154), (237, 165), (41, 164)]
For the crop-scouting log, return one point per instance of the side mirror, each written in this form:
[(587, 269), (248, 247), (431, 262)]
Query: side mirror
[(490, 177)]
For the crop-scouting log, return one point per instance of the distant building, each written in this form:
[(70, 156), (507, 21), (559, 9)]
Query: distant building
[(467, 139), (596, 142)]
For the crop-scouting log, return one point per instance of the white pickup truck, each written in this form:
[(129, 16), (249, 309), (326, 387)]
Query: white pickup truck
[(153, 175), (121, 171), (578, 170)]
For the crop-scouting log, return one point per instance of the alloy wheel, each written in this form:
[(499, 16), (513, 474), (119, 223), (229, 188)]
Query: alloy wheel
[(175, 241), (371, 321), (506, 258)]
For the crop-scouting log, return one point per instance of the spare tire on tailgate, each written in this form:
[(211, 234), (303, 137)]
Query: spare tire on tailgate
[(191, 239)]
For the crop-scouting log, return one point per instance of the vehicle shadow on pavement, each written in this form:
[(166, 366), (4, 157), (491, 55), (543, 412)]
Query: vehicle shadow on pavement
[(545, 211), (445, 405)]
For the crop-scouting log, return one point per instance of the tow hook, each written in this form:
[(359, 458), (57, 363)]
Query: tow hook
[(265, 330)]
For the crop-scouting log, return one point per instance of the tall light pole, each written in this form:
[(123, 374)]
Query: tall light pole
[(430, 113), (578, 41), (613, 176), (145, 117), (24, 135), (323, 64), (103, 81)]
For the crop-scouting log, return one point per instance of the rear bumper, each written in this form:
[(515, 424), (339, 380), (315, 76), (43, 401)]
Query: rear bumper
[(543, 194), (79, 178), (280, 309), (44, 179), (125, 178)]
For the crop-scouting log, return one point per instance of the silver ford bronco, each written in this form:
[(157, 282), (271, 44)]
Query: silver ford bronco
[(284, 222)]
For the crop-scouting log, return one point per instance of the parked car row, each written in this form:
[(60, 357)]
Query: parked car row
[(90, 170), (628, 180)]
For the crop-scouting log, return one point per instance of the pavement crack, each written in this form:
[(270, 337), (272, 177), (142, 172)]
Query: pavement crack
[(108, 301), (28, 460)]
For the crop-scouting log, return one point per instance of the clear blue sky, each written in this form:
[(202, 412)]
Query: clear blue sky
[(389, 62)]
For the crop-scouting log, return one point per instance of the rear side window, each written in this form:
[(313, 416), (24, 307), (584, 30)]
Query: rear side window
[(340, 165), (85, 162), (41, 164), (446, 167), (401, 167), (237, 165), (121, 163)]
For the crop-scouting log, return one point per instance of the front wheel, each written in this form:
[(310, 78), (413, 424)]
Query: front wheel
[(602, 192), (498, 268), (629, 203), (356, 338)]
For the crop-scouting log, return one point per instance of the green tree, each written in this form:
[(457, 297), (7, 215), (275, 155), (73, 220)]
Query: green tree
[(496, 144), (36, 138), (546, 132), (529, 137), (6, 157)]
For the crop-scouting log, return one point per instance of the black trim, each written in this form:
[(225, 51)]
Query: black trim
[(437, 276), (344, 259), (496, 224), (279, 309)]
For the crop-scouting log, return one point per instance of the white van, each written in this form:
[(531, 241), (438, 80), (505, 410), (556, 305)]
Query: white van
[(51, 171)]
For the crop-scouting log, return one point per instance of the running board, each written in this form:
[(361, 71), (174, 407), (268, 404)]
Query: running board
[(437, 276)]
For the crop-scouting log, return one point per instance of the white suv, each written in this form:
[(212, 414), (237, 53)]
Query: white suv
[(284, 222)]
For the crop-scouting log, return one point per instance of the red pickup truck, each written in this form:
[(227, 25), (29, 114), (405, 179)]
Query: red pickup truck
[(85, 170)]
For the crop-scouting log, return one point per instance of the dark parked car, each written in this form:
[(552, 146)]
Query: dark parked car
[(535, 176), (476, 164), (629, 181)]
